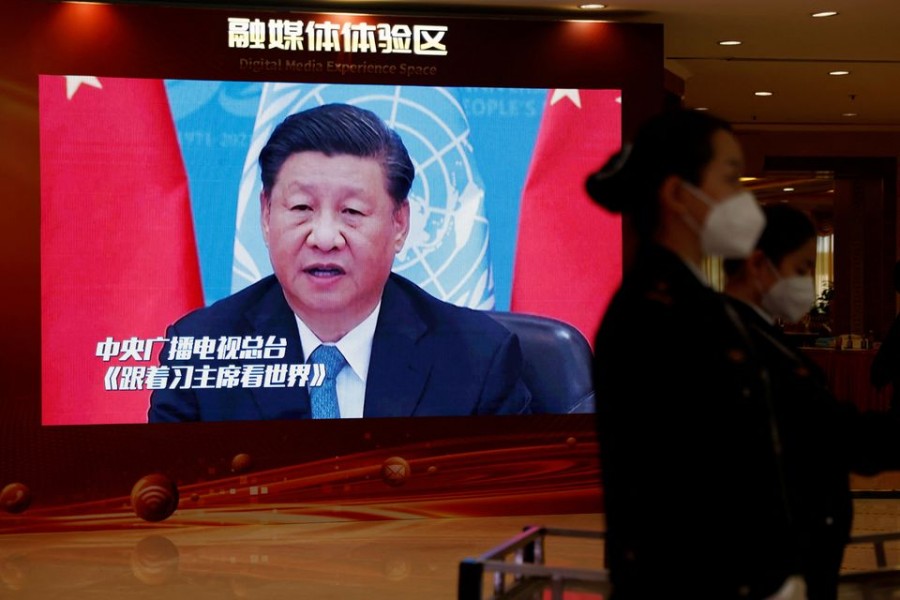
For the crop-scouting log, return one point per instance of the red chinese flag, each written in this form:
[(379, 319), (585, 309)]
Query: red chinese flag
[(118, 257), (569, 250)]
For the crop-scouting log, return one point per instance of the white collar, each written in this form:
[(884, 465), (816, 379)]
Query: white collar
[(356, 345), (758, 309)]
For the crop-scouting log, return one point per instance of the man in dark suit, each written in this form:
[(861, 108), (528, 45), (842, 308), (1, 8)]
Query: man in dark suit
[(334, 212)]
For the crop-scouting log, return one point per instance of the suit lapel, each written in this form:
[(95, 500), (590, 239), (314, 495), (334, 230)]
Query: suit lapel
[(272, 316), (399, 366)]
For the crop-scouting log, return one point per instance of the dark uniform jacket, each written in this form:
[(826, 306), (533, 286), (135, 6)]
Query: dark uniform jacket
[(823, 440), (693, 479)]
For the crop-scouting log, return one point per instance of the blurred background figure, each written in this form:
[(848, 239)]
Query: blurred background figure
[(886, 365), (821, 439), (776, 280)]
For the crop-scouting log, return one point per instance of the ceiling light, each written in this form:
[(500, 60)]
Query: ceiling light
[(824, 13), (762, 93), (730, 43), (848, 115), (593, 6), (787, 189), (701, 108), (747, 179), (838, 72)]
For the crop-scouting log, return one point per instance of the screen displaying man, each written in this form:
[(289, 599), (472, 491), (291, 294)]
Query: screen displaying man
[(334, 212)]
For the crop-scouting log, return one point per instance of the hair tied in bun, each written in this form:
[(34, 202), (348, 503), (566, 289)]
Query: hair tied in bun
[(607, 187)]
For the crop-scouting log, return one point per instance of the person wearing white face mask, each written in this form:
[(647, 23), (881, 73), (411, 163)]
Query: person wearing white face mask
[(791, 297), (823, 439), (732, 225), (693, 485), (776, 279)]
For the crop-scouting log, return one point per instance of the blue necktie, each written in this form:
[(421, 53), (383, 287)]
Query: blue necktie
[(324, 397)]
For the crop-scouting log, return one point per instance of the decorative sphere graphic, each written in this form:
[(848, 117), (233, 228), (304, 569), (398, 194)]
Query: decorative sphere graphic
[(395, 471), (154, 497), (241, 463), (15, 498), (571, 441)]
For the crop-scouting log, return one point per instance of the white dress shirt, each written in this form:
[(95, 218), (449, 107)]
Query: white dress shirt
[(356, 347)]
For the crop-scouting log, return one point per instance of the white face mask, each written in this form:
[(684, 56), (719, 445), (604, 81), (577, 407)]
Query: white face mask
[(790, 298), (732, 226)]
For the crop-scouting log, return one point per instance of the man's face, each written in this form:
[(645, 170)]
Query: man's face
[(332, 231)]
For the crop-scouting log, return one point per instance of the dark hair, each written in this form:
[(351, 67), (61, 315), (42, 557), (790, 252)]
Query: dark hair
[(676, 142), (339, 129), (897, 276), (787, 230)]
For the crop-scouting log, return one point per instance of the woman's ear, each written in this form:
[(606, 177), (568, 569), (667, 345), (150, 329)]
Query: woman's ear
[(758, 264), (672, 195)]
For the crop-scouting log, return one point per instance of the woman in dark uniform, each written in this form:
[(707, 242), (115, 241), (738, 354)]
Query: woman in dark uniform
[(823, 439), (693, 476)]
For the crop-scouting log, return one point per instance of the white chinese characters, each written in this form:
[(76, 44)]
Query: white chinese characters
[(354, 38), (197, 363)]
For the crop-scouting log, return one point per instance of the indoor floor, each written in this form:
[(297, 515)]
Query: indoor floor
[(395, 559)]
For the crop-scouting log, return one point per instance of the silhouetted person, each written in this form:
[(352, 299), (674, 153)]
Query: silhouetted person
[(822, 439), (886, 366), (692, 485)]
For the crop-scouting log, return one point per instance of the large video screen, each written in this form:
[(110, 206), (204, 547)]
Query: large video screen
[(157, 337), (156, 184)]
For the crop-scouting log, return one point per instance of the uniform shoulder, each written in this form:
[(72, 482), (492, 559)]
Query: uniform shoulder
[(659, 277)]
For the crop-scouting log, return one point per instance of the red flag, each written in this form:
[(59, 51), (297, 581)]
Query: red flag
[(118, 257), (569, 250)]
